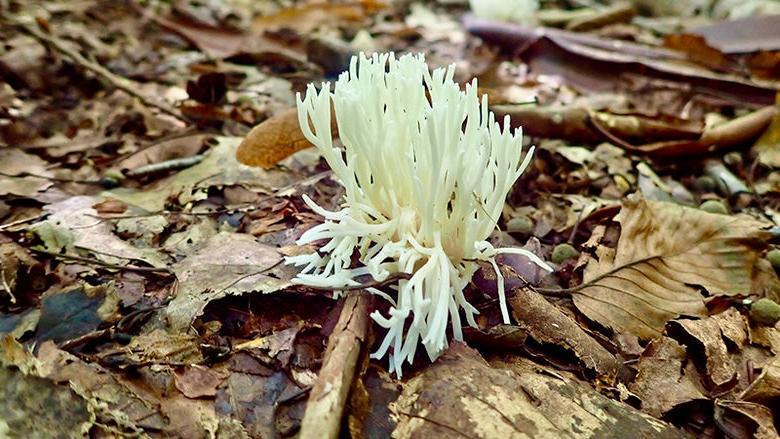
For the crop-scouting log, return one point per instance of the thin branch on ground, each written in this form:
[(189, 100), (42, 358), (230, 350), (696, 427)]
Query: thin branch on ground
[(22, 221), (119, 82), (328, 397), (46, 177), (92, 261)]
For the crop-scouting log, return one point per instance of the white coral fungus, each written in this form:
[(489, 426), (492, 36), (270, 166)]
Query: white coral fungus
[(426, 170)]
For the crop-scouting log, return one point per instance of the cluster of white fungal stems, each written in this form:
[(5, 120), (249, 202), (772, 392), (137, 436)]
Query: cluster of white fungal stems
[(426, 170)]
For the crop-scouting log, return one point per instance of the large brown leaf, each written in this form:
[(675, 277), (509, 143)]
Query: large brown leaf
[(462, 396), (665, 251)]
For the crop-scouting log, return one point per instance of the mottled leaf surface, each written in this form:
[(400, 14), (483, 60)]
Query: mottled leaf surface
[(664, 253)]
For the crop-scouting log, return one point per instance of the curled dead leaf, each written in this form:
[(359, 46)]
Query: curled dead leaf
[(664, 378), (275, 139), (710, 334)]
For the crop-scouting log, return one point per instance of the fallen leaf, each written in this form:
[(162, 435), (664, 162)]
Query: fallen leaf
[(218, 168), (35, 407), (252, 399), (736, 132), (664, 251), (697, 50), (224, 43), (766, 387), (15, 262), (67, 315), (592, 19), (15, 162), (768, 337), (594, 63), (765, 65), (665, 379), (198, 381), (117, 401), (460, 395), (275, 139), (76, 222), (278, 346), (103, 391), (164, 150), (730, 416), (109, 207), (371, 416), (709, 335), (157, 347), (743, 35), (304, 19), (230, 263), (210, 88), (573, 123), (18, 325), (767, 147)]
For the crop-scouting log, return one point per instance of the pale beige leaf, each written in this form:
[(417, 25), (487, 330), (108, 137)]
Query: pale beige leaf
[(664, 253), (229, 263), (17, 162)]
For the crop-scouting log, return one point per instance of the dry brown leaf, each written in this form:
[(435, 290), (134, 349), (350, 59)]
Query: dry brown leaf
[(730, 417), (462, 396), (198, 381), (709, 334), (593, 63), (157, 347), (664, 251), (224, 43), (743, 35), (697, 50), (76, 217), (176, 147), (275, 139), (109, 207), (664, 380)]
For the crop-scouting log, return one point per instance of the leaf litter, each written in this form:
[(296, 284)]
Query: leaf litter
[(151, 173)]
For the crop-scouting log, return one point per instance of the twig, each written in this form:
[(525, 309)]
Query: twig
[(6, 287), (168, 165), (175, 212), (726, 181), (22, 221), (606, 133), (328, 396), (119, 82), (101, 263), (46, 177)]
